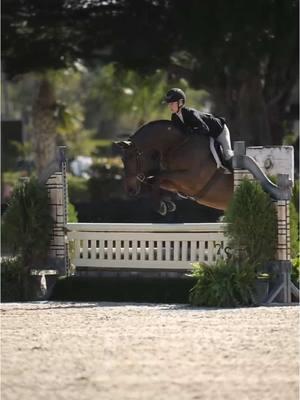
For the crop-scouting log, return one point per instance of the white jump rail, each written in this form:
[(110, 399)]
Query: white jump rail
[(145, 246)]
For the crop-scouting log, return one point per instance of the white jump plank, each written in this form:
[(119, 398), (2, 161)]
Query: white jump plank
[(118, 249), (193, 252), (93, 249), (184, 255), (159, 255), (151, 251), (168, 250), (131, 247), (176, 250)]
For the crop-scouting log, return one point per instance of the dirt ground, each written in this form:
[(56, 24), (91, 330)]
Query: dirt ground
[(106, 351)]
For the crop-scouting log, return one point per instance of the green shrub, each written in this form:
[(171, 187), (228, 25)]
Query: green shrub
[(72, 213), (78, 189), (252, 224), (106, 182), (225, 284), (294, 221), (11, 177), (294, 230), (11, 279), (27, 223), (295, 275), (295, 196)]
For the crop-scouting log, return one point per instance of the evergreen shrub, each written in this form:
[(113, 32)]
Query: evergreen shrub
[(295, 274), (27, 224), (252, 236), (252, 224), (294, 224), (11, 279)]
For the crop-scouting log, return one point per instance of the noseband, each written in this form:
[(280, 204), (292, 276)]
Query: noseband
[(140, 175)]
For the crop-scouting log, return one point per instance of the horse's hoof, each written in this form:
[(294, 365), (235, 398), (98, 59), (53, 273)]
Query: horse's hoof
[(171, 206), (163, 209)]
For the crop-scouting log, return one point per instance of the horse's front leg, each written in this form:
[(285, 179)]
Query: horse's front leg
[(155, 194), (161, 201)]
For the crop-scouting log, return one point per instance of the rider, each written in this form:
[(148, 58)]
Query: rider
[(190, 119)]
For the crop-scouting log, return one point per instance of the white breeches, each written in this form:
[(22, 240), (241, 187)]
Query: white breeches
[(224, 140)]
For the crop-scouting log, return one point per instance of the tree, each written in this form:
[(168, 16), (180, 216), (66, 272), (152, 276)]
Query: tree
[(44, 125), (122, 100), (245, 54)]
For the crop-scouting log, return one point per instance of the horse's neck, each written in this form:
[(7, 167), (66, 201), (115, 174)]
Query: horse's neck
[(160, 138)]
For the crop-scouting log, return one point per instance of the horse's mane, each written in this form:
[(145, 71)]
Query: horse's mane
[(164, 122)]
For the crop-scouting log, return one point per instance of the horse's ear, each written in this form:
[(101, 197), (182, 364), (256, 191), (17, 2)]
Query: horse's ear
[(124, 145)]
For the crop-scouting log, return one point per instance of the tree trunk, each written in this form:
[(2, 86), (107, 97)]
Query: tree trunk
[(44, 125), (246, 113), (252, 114)]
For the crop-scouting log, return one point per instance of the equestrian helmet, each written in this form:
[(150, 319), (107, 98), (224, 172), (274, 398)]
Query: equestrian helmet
[(175, 94)]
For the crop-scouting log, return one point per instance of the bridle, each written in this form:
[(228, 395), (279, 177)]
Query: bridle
[(140, 175)]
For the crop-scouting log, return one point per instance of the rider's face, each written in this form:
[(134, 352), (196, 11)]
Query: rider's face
[(175, 106)]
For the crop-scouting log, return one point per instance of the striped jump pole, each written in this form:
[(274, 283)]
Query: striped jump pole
[(55, 180)]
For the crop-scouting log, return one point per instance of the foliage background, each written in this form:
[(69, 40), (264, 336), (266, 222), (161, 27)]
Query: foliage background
[(107, 65)]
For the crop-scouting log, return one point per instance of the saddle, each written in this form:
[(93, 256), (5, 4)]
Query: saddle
[(217, 155)]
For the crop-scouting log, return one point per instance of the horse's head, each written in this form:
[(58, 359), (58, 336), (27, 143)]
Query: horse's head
[(139, 164)]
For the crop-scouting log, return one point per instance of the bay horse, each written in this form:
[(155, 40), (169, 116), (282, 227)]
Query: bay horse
[(160, 156)]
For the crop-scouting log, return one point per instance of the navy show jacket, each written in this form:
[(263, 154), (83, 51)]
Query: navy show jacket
[(203, 123)]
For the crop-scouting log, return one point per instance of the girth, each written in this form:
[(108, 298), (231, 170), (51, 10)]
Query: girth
[(215, 176)]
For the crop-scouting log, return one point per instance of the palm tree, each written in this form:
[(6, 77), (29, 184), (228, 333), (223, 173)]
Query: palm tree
[(45, 124)]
